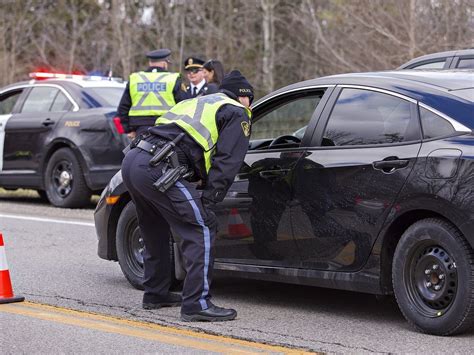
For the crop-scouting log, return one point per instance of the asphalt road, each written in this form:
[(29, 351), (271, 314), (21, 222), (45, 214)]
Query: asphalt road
[(52, 259)]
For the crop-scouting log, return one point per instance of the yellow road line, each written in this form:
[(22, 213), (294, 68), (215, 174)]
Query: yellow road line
[(150, 331)]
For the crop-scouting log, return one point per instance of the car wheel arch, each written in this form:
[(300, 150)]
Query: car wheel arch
[(55, 146), (112, 225), (392, 235)]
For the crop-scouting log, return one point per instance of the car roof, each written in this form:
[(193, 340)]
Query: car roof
[(396, 80), (447, 54), (444, 79), (80, 82)]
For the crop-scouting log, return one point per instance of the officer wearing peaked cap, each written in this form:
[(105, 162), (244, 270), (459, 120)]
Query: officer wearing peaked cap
[(195, 75), (213, 132), (149, 94)]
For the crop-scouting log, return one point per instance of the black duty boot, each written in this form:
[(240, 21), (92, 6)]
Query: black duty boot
[(212, 314), (171, 300)]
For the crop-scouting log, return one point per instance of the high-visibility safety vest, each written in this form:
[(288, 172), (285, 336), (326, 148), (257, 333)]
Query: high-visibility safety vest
[(197, 117), (152, 93)]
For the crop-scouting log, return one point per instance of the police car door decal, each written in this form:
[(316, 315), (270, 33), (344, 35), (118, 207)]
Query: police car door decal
[(3, 123)]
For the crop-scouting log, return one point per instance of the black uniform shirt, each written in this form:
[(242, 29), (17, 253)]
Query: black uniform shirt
[(130, 123), (231, 147), (212, 88), (206, 89)]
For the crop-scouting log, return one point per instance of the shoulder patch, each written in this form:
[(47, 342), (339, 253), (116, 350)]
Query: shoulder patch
[(245, 128)]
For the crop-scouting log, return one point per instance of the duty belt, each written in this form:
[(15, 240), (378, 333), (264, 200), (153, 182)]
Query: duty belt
[(150, 147)]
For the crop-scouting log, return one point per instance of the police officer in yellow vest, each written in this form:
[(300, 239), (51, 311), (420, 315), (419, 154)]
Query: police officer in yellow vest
[(149, 94), (214, 134)]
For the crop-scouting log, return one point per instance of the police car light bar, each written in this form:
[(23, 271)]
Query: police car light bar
[(43, 76)]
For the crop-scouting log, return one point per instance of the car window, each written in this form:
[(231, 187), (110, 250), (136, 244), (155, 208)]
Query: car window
[(61, 103), (367, 117), (434, 126), (466, 63), (289, 118), (105, 96), (431, 65), (8, 101), (40, 99)]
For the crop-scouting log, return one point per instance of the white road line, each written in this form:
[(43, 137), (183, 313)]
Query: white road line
[(48, 220)]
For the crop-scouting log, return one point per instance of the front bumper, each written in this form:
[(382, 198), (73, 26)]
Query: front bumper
[(102, 215), (98, 179)]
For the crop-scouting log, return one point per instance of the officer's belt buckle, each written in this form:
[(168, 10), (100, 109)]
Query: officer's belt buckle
[(148, 147)]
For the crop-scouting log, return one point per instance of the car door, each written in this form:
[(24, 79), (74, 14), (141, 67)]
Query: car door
[(8, 101), (363, 151), (255, 218), (27, 131)]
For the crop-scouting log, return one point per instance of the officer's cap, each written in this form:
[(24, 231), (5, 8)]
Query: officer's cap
[(159, 54), (193, 63), (236, 83)]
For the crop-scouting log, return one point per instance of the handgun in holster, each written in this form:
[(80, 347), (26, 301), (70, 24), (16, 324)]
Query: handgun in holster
[(172, 170)]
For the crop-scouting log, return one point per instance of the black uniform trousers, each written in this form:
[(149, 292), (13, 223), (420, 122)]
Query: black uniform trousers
[(181, 209)]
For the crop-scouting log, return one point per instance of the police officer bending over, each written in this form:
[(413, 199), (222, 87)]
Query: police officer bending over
[(202, 139), (149, 94)]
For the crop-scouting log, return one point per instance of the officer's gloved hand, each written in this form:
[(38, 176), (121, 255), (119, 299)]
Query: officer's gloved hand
[(210, 219)]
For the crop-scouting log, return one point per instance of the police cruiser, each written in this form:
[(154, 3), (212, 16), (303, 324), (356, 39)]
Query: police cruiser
[(59, 135)]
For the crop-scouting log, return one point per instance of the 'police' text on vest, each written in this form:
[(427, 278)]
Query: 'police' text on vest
[(151, 87)]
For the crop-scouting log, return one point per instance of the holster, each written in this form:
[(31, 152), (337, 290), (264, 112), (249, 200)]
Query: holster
[(172, 169), (169, 177)]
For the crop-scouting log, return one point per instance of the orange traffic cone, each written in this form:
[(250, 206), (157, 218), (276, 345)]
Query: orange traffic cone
[(6, 290), (236, 227)]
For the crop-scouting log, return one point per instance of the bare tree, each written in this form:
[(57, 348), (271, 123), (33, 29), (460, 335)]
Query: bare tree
[(273, 42), (268, 7)]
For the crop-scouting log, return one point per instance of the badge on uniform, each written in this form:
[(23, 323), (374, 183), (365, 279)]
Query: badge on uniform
[(245, 128)]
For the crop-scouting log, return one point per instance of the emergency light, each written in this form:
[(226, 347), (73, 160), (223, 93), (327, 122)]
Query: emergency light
[(44, 76)]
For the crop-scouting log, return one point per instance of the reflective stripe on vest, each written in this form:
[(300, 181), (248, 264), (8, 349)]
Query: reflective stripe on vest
[(151, 93), (197, 117)]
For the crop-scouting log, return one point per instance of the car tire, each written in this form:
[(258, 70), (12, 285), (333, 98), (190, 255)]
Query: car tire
[(433, 278), (64, 181), (130, 246), (42, 195)]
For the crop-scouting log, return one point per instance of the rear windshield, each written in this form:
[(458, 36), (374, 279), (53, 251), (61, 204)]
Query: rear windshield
[(466, 94), (105, 96)]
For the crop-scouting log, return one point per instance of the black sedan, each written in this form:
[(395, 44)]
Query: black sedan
[(59, 135), (361, 182)]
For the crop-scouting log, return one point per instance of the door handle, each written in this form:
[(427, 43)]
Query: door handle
[(272, 174), (47, 122), (390, 165)]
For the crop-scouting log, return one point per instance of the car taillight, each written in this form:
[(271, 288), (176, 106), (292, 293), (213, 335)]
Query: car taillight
[(118, 125)]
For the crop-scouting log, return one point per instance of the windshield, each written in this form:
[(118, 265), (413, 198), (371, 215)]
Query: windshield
[(106, 96)]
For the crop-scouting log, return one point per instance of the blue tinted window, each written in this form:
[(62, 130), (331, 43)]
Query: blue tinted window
[(364, 117)]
